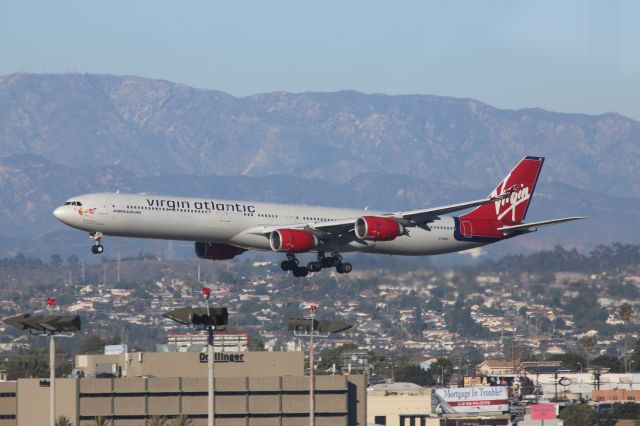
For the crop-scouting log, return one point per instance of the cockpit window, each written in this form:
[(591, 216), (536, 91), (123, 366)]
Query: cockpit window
[(73, 203), (67, 203)]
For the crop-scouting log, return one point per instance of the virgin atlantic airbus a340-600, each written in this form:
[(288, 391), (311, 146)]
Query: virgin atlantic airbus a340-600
[(223, 229)]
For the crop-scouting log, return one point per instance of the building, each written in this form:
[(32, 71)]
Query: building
[(250, 388), (400, 404), (616, 395), (497, 367)]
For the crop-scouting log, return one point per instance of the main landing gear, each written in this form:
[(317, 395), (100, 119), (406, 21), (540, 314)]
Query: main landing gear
[(334, 261), (291, 264), (97, 247)]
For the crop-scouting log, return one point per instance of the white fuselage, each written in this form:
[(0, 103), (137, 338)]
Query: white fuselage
[(238, 223)]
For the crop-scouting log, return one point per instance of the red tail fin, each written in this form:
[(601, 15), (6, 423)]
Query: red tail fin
[(520, 184)]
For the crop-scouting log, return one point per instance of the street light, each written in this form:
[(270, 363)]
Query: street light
[(310, 327), (40, 325), (210, 319)]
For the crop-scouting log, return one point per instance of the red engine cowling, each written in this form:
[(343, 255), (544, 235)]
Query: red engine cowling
[(217, 251), (292, 240), (377, 228)]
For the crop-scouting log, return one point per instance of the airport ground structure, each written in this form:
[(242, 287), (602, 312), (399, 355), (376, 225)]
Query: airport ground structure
[(251, 388)]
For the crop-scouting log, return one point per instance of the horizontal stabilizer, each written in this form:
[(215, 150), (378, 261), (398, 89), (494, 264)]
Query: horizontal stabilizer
[(530, 227)]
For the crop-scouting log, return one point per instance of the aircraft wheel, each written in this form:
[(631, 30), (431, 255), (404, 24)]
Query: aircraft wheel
[(300, 272), (339, 268), (289, 265), (97, 249), (346, 268), (314, 266)]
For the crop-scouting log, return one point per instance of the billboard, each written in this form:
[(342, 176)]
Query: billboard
[(472, 400), (115, 349), (543, 412)]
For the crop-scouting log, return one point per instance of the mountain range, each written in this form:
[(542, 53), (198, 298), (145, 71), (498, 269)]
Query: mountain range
[(66, 134)]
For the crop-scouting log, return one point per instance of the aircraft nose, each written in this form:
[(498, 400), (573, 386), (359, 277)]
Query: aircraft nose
[(61, 214)]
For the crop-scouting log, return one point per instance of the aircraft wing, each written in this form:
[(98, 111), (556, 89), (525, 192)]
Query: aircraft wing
[(530, 227), (330, 227), (341, 226), (426, 214)]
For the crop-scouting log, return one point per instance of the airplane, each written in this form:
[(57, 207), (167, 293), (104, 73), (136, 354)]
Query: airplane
[(224, 229)]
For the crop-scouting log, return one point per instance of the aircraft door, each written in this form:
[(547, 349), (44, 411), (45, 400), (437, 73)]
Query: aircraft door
[(467, 229)]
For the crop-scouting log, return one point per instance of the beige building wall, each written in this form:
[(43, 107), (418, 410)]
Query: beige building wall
[(255, 396), (340, 400), (391, 408), (8, 403), (193, 364), (33, 401)]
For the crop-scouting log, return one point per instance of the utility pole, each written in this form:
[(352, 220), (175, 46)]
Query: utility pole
[(310, 327)]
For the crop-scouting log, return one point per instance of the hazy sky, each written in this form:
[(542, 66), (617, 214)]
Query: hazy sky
[(573, 56)]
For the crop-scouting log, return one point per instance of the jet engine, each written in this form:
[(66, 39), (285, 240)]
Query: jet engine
[(217, 251), (377, 228), (292, 240)]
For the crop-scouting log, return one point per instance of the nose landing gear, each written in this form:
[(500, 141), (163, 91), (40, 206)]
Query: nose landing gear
[(97, 247)]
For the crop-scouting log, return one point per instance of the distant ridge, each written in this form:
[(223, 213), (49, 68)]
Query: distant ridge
[(65, 134)]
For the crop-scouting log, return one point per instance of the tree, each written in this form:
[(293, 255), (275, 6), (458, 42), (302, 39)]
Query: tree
[(578, 415), (334, 356), (100, 421), (625, 312), (634, 363), (55, 260), (181, 420), (73, 260), (588, 343), (157, 420), (95, 344), (570, 361), (611, 362), (63, 421), (414, 374), (27, 365), (625, 410), (256, 344)]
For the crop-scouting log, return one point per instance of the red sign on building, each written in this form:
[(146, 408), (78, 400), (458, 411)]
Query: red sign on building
[(543, 412)]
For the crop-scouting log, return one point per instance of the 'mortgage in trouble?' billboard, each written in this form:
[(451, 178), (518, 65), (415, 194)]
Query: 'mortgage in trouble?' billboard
[(472, 400)]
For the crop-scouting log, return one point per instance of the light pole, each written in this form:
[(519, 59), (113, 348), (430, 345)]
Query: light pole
[(50, 326), (312, 405), (208, 318), (210, 391), (310, 327)]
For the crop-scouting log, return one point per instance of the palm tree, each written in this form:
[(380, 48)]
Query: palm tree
[(181, 420), (100, 421), (157, 420), (588, 343), (63, 421), (625, 312)]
